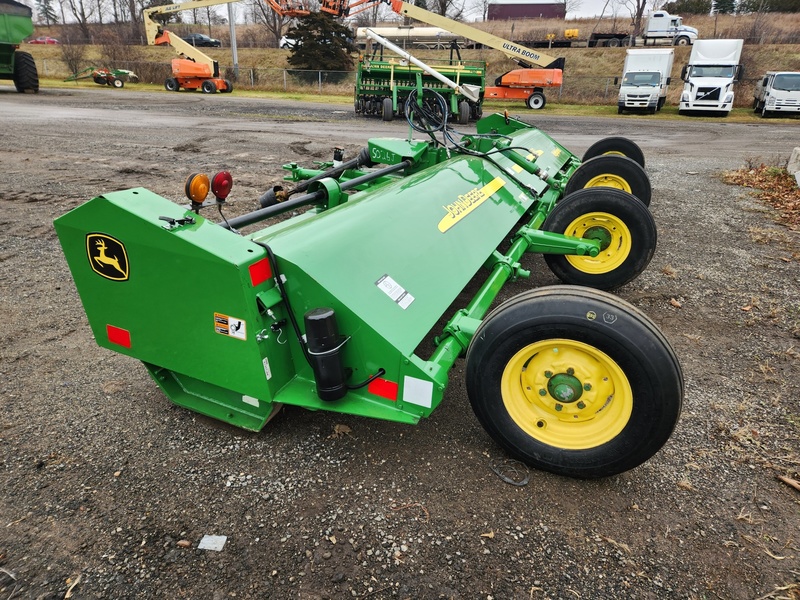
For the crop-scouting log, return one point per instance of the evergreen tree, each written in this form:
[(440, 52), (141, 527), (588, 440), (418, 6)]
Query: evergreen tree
[(321, 44), (47, 13), (725, 7)]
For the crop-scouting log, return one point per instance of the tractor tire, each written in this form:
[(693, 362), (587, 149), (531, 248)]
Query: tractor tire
[(624, 227), (616, 145), (26, 77), (228, 87), (387, 109), (115, 82), (99, 80), (463, 112), (609, 170), (171, 84), (536, 101), (209, 87), (574, 381)]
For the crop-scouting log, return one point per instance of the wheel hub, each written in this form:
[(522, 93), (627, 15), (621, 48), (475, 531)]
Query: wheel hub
[(601, 234), (565, 388)]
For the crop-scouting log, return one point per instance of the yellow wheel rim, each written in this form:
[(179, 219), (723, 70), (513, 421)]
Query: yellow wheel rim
[(613, 235), (609, 180), (567, 394), (615, 153)]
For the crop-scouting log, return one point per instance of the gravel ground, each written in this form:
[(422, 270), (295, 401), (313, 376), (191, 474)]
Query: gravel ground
[(106, 488)]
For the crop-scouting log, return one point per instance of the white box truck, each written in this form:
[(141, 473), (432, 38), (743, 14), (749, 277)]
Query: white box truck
[(777, 91), (709, 76), (645, 77)]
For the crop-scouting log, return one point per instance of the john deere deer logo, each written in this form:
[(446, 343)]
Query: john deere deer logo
[(107, 256)]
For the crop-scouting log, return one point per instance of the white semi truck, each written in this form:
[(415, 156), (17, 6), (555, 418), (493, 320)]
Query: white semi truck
[(777, 92), (709, 76), (645, 77)]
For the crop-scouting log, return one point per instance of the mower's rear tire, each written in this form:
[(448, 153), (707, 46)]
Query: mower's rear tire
[(624, 227), (26, 77), (209, 87), (171, 84), (387, 109), (99, 80), (610, 170), (620, 146), (574, 381)]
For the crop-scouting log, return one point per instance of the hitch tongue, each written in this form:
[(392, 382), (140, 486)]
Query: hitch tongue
[(324, 344)]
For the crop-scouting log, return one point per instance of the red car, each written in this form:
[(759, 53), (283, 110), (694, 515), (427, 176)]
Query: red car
[(44, 40)]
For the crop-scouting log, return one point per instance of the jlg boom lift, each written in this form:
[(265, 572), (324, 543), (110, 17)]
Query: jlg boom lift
[(194, 69)]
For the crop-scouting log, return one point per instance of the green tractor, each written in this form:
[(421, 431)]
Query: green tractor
[(16, 24)]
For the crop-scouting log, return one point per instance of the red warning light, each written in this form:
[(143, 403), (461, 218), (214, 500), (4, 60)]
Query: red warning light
[(221, 185)]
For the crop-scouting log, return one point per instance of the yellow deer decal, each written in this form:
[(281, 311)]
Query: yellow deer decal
[(103, 259)]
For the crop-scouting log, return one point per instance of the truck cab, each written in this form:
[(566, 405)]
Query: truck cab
[(645, 77), (710, 75), (777, 91), (662, 25)]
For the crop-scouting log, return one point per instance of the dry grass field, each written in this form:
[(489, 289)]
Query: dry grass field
[(588, 76)]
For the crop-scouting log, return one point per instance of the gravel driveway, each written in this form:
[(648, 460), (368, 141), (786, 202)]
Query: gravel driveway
[(107, 489)]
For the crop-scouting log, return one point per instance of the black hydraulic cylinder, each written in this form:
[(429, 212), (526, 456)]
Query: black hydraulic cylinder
[(324, 345)]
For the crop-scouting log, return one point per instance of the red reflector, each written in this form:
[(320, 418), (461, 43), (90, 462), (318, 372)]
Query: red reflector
[(121, 337), (260, 272), (384, 388)]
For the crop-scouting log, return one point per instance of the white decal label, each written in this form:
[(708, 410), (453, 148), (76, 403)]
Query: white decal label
[(417, 391), (267, 370), (250, 400), (230, 326), (395, 291)]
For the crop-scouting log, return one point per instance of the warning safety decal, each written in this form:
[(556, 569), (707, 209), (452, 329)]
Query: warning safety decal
[(395, 291), (230, 326)]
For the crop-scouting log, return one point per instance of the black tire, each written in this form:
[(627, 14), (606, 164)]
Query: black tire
[(116, 82), (228, 87), (614, 43), (616, 146), (171, 84), (626, 231), (209, 87), (26, 77), (463, 112), (387, 109), (619, 110), (610, 170), (536, 101), (683, 41), (661, 102), (99, 80), (619, 383)]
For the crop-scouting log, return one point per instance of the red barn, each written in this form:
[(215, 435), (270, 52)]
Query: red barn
[(525, 9)]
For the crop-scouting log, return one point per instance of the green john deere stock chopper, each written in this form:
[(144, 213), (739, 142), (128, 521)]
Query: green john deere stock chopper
[(326, 309)]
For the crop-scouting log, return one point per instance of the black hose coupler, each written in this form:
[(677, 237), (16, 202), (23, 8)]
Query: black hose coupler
[(324, 345)]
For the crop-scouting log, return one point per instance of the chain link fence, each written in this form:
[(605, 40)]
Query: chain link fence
[(594, 90)]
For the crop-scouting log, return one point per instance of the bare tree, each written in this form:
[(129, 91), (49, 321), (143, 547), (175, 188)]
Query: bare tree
[(84, 13), (273, 22)]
